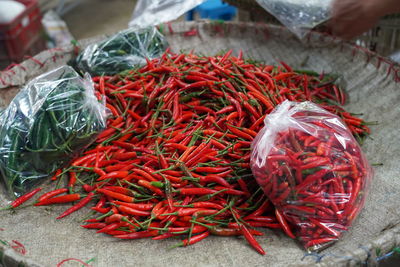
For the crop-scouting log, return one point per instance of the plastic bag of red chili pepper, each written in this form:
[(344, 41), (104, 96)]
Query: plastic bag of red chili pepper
[(313, 170)]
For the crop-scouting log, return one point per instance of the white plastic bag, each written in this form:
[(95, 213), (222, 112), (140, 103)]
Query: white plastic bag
[(153, 12), (299, 16)]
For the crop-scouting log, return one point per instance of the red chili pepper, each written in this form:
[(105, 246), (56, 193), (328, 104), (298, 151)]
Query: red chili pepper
[(191, 211), (252, 241), (258, 224), (116, 195), (60, 199), (265, 219), (22, 199), (225, 231), (113, 175), (18, 247), (325, 227), (85, 187), (137, 235), (139, 206), (72, 179), (312, 178), (58, 173), (163, 236), (111, 227), (229, 191), (282, 221), (214, 178), (144, 174), (124, 155), (77, 206), (211, 169), (114, 218), (132, 147), (205, 204), (218, 134), (94, 225), (119, 167), (132, 211), (83, 159), (193, 239), (113, 110), (196, 191), (52, 193), (151, 187)]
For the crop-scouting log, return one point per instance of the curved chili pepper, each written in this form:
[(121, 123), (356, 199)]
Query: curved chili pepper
[(282, 221), (252, 241), (77, 206), (22, 199), (52, 193), (193, 239)]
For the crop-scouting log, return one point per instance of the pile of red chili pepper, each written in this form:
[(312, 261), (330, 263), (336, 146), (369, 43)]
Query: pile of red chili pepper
[(174, 160)]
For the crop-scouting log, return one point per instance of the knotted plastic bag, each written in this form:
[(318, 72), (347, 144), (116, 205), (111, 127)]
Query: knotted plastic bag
[(49, 122), (125, 50), (313, 170)]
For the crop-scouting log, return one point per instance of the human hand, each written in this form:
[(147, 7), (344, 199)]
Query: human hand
[(351, 18)]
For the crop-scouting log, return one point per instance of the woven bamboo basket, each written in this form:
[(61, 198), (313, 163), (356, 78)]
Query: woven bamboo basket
[(373, 88), (384, 38)]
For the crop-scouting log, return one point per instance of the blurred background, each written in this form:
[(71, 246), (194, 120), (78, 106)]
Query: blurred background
[(88, 18), (22, 34), (30, 26)]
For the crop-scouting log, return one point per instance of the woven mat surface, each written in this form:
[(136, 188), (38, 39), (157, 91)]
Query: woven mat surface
[(372, 84)]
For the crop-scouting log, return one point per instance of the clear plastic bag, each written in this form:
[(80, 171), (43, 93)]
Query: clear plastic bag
[(153, 12), (313, 170), (299, 16), (125, 50), (48, 123)]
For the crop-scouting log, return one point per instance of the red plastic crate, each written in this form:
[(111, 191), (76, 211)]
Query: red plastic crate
[(22, 36)]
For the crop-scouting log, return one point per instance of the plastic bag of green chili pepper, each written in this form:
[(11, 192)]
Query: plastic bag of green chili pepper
[(313, 170), (49, 122), (125, 50)]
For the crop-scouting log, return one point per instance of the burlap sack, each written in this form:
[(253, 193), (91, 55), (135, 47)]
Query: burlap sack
[(373, 90)]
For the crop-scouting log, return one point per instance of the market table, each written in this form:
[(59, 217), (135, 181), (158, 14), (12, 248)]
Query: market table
[(373, 88)]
